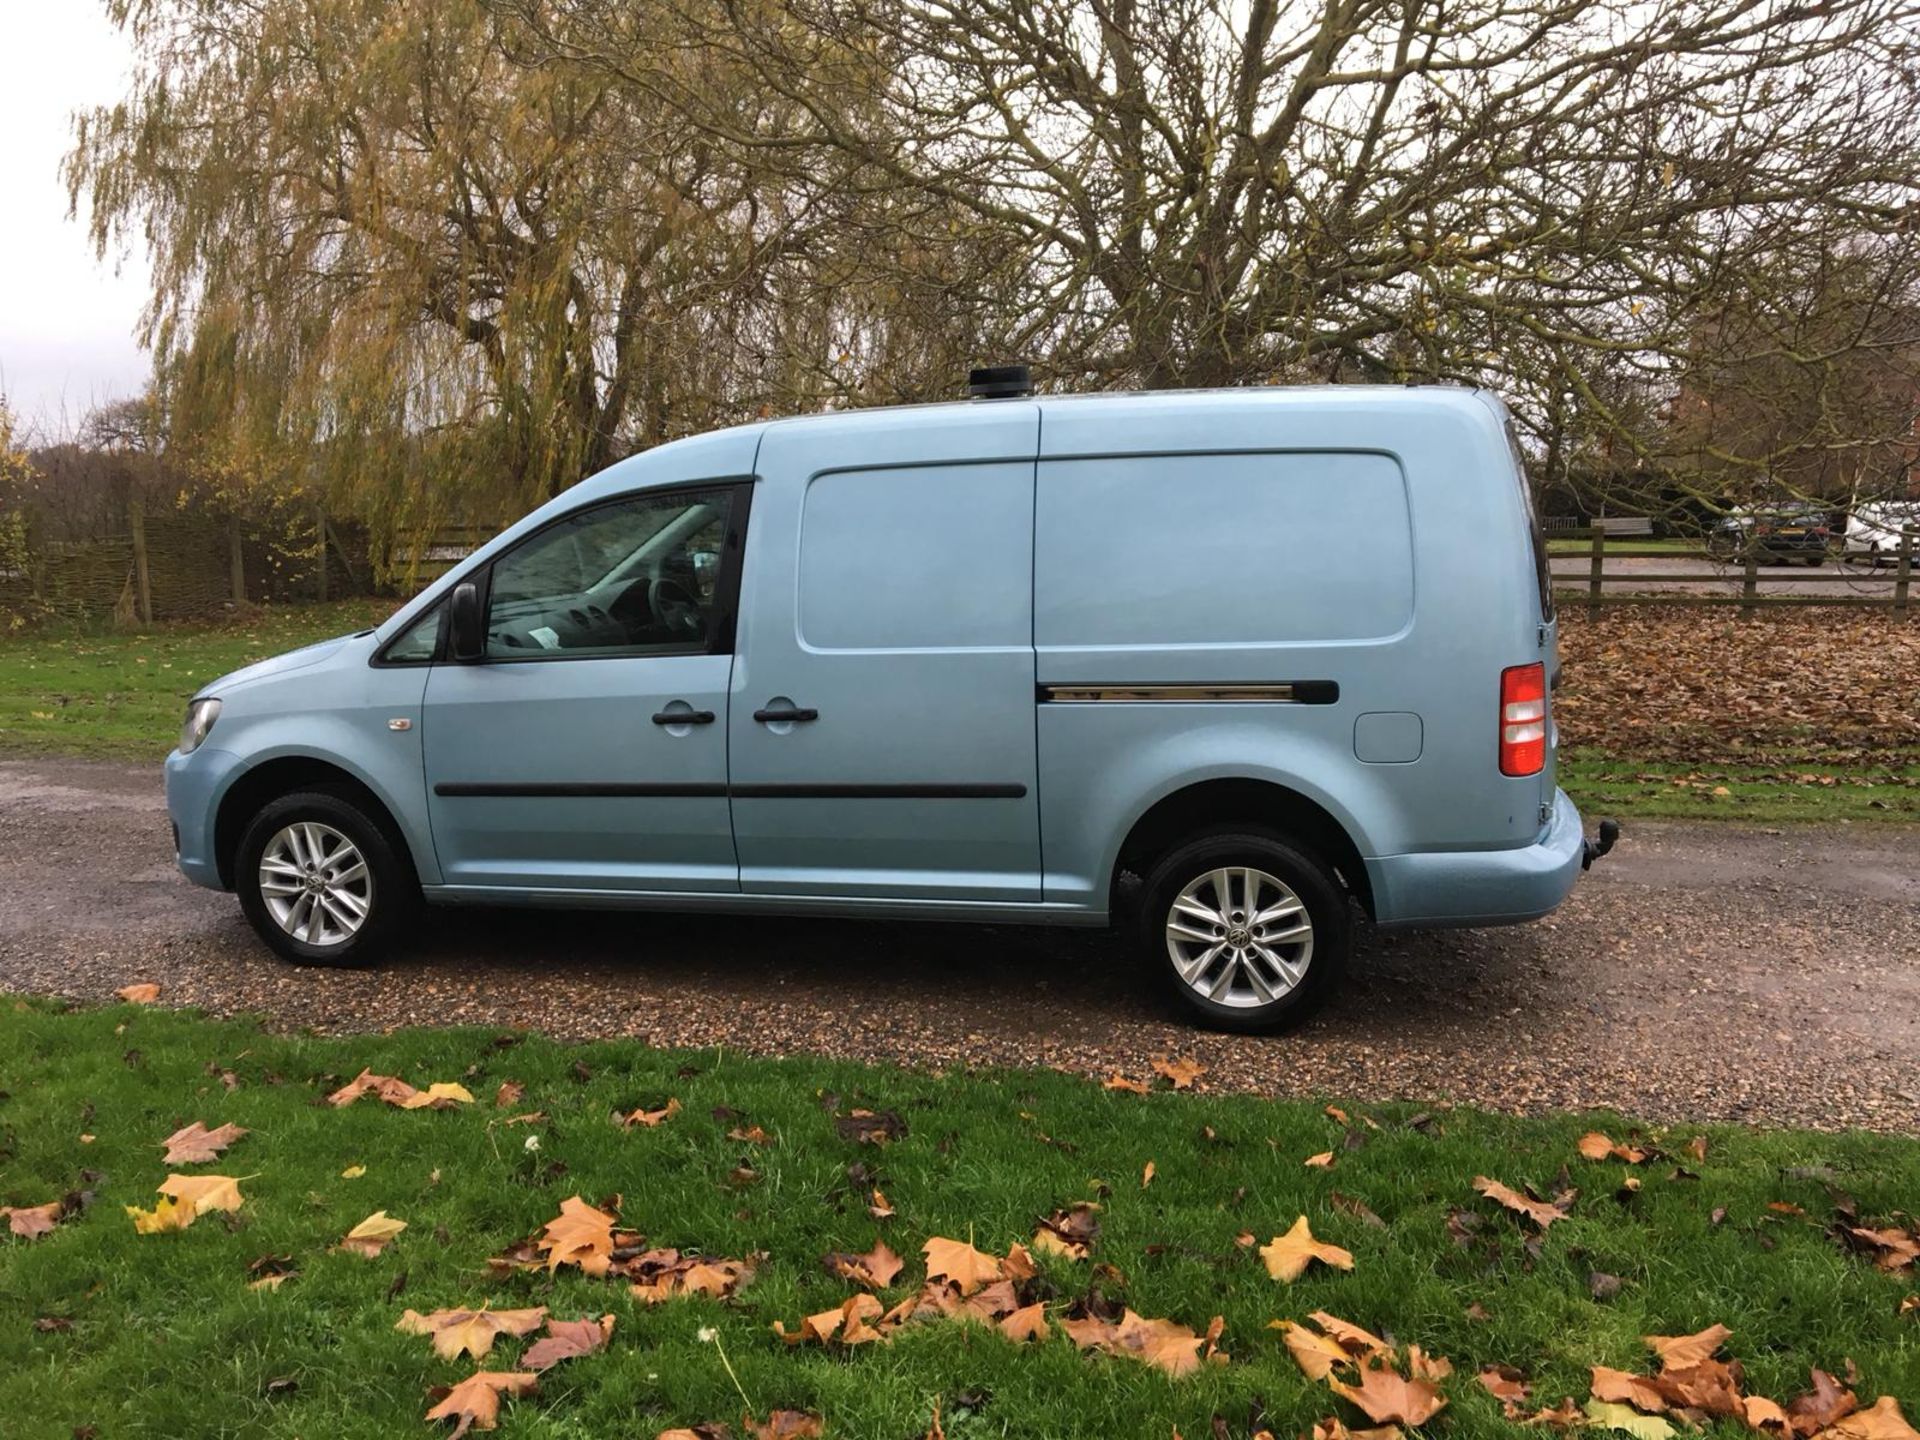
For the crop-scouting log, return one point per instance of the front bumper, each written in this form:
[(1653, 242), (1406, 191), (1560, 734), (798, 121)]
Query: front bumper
[(195, 784), (1481, 887)]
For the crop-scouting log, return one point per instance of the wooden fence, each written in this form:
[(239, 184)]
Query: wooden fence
[(1888, 594)]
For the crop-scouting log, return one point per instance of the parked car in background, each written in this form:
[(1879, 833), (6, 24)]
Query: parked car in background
[(1213, 667), (1773, 534), (1873, 531)]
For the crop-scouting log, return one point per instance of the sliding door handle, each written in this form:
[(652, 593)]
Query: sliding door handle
[(788, 713), (683, 717)]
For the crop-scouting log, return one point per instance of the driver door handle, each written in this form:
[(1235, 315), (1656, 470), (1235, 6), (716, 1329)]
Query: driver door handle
[(790, 712), (683, 717)]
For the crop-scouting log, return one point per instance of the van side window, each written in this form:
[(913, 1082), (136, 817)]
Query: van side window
[(419, 643), (918, 558), (638, 576)]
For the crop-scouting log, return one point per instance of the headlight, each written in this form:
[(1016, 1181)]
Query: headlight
[(200, 717)]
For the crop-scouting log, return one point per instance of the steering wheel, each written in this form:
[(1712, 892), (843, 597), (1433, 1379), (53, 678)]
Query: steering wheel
[(674, 607)]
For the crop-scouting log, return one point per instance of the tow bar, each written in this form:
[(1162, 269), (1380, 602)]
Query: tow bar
[(1592, 850)]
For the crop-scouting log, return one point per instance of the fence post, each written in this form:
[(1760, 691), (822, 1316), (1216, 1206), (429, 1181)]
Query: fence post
[(1904, 573), (1750, 587), (1595, 571)]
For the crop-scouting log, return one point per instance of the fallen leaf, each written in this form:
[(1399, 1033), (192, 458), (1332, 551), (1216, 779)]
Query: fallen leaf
[(580, 1235), (1540, 1212), (661, 1275), (784, 1425), (875, 1270), (1891, 1249), (438, 1096), (1027, 1323), (1356, 1340), (879, 1208), (1166, 1345), (144, 993), (1385, 1396), (195, 1144), (203, 1192), (1314, 1353), (648, 1118), (1595, 1146), (1180, 1073), (353, 1172), (1619, 1417), (1765, 1416), (1618, 1387), (475, 1402), (1120, 1082), (566, 1339), (1287, 1256), (1322, 1161), (372, 1235), (1678, 1352), (751, 1135), (392, 1090), (1824, 1405), (871, 1127), (1504, 1383), (960, 1264), (472, 1332), (1881, 1420), (1070, 1232), (850, 1323), (1146, 1175), (508, 1095), (1712, 1387), (30, 1222), (169, 1214)]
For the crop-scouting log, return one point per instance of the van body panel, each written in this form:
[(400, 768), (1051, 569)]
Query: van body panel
[(889, 590)]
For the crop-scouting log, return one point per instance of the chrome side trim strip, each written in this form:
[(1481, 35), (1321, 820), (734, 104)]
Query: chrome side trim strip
[(1291, 692)]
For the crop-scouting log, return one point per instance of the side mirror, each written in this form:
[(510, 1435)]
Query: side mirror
[(466, 626)]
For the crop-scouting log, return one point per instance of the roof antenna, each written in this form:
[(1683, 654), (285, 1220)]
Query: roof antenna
[(999, 382)]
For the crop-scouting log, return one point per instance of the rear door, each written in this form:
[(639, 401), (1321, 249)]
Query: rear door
[(882, 723)]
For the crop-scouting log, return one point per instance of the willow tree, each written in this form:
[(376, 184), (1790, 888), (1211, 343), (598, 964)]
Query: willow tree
[(404, 259), (1551, 196)]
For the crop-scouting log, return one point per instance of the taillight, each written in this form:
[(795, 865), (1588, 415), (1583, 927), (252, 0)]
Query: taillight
[(1523, 719)]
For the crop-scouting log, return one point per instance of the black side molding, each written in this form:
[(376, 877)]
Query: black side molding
[(652, 790), (879, 792)]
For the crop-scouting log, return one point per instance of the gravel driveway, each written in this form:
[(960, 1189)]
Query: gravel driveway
[(1700, 973)]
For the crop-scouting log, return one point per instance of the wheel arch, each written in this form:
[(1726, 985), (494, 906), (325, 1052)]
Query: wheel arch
[(1216, 803), (261, 784)]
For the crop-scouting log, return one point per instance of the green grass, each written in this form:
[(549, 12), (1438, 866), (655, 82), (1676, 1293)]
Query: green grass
[(121, 695), (1658, 790), (166, 1339)]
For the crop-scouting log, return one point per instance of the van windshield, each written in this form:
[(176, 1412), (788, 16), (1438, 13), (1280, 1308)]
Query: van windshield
[(1536, 536)]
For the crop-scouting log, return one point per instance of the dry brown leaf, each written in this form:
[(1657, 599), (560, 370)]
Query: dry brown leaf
[(579, 1235), (708, 1430), (144, 993), (1595, 1146), (751, 1135), (1506, 1385), (1332, 1429), (1618, 1387), (1120, 1082), (1881, 1420), (372, 1235), (1824, 1405), (169, 1214), (441, 1095), (1350, 1335), (1287, 1256), (875, 1269), (508, 1095), (1712, 1387), (1027, 1323), (1070, 1232), (850, 1323), (879, 1208), (1314, 1353), (648, 1118), (472, 1332), (389, 1088), (1146, 1175), (566, 1339), (30, 1222), (203, 1192), (785, 1425), (474, 1404), (1541, 1212), (1678, 1352), (195, 1144), (960, 1264), (1892, 1249), (1765, 1416), (1180, 1073), (1322, 1161), (1166, 1345), (1385, 1396)]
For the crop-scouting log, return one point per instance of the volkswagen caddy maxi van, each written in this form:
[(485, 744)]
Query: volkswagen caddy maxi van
[(1214, 666)]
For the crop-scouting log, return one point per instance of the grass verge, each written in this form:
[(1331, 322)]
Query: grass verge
[(121, 695), (1625, 785), (159, 1335)]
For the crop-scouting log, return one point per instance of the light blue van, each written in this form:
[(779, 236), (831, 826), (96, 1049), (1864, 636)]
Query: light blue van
[(1213, 666)]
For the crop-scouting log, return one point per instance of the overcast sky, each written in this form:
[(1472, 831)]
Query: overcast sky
[(66, 319)]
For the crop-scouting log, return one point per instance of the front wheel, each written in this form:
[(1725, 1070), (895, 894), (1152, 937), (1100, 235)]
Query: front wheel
[(320, 881), (1247, 931)]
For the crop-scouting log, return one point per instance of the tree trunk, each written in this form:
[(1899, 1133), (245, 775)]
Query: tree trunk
[(320, 543), (236, 560), (137, 524)]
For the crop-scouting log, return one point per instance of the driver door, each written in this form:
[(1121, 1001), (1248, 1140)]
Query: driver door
[(587, 750)]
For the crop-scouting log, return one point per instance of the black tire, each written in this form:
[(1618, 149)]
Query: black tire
[(393, 891), (1282, 859)]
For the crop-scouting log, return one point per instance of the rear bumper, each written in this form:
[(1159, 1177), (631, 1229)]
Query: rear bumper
[(1480, 887)]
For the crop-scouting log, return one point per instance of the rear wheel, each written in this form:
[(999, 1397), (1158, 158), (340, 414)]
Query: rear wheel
[(1246, 930), (321, 881)]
